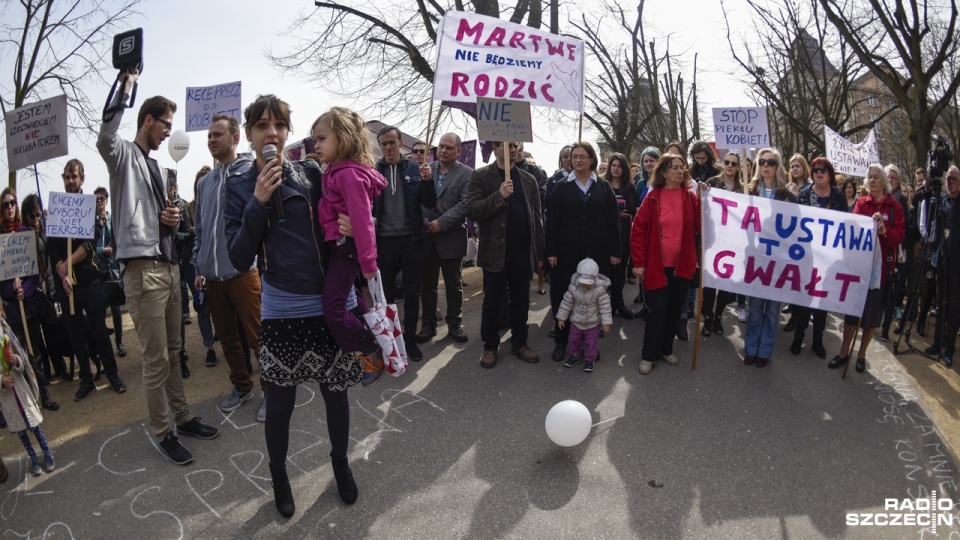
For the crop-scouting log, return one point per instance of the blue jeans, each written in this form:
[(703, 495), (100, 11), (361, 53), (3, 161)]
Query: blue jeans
[(762, 322)]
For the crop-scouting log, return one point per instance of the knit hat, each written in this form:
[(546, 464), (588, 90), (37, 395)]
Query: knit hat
[(587, 271)]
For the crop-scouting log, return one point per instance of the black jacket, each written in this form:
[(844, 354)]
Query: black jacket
[(415, 192), (584, 227)]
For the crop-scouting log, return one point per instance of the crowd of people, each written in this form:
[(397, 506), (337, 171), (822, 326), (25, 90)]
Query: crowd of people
[(275, 254)]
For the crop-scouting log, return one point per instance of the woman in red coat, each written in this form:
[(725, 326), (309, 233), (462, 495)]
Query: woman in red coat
[(664, 250), (891, 226)]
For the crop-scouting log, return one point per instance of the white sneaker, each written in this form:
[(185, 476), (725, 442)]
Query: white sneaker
[(742, 315), (262, 411), (671, 359), (646, 367)]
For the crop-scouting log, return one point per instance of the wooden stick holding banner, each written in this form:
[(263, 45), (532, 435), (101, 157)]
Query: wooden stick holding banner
[(70, 272), (26, 328), (71, 215), (18, 259), (428, 136), (696, 328)]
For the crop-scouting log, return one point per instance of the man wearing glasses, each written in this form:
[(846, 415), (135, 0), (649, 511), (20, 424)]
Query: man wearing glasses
[(398, 216), (145, 223)]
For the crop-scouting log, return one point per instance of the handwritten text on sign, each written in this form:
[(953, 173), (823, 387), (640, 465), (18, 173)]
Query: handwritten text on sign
[(503, 120), (18, 255), (36, 132), (849, 158), (741, 127), (205, 101), (479, 56), (787, 252), (71, 215)]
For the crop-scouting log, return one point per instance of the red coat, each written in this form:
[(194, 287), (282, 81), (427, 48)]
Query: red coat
[(895, 223), (646, 240)]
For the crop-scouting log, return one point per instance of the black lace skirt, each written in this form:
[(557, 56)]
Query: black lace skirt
[(294, 351)]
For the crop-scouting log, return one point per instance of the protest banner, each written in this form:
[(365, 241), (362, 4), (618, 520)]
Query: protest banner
[(36, 132), (71, 215), (849, 158), (740, 127), (18, 258), (205, 101), (480, 56), (504, 120), (801, 255), (18, 255)]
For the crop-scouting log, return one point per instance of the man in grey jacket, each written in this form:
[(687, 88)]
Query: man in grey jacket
[(446, 241), (144, 225), (231, 293)]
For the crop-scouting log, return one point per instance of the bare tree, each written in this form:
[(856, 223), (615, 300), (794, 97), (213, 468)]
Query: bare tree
[(56, 45), (629, 102), (382, 50), (906, 46), (800, 69)]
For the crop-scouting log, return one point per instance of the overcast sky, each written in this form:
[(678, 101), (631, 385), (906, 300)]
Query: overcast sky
[(201, 43)]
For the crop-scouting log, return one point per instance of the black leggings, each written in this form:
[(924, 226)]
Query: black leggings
[(280, 408)]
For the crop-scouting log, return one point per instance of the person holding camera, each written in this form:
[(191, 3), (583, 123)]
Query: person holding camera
[(948, 230), (145, 225)]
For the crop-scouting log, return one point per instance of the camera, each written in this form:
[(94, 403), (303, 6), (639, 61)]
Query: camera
[(938, 159), (128, 50)]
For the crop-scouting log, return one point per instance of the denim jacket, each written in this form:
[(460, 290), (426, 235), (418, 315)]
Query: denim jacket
[(290, 251)]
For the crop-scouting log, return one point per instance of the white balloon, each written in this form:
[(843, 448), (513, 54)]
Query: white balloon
[(568, 423), (178, 145)]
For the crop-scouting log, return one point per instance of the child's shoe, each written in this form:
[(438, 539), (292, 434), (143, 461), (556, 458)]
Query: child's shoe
[(48, 463), (35, 467), (372, 367), (588, 367), (572, 361)]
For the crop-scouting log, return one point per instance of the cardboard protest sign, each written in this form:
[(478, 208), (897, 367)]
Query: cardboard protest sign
[(504, 120), (740, 127), (71, 215), (18, 255), (801, 255), (205, 101), (480, 56), (849, 158), (36, 132)]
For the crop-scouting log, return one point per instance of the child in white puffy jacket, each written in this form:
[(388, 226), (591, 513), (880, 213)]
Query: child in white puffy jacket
[(586, 306)]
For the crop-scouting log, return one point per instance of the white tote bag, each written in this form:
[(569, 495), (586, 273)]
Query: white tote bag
[(384, 324)]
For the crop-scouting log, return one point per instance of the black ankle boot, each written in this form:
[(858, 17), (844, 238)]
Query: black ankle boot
[(345, 484), (282, 494)]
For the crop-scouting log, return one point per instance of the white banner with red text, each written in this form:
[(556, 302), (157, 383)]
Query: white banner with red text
[(480, 56), (801, 255)]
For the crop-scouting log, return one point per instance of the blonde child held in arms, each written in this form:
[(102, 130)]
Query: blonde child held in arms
[(350, 183), (18, 399), (586, 306)]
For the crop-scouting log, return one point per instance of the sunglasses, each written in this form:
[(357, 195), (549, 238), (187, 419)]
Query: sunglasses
[(770, 162), (36, 216), (816, 170), (10, 204), (419, 151), (729, 163)]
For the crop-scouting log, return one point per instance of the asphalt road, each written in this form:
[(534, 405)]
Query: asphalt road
[(451, 450)]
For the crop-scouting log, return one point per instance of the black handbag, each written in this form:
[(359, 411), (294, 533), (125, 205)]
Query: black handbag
[(113, 287)]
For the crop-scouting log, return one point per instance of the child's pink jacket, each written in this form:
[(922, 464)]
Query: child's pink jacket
[(349, 188)]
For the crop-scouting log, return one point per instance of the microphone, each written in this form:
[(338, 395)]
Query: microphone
[(270, 153)]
